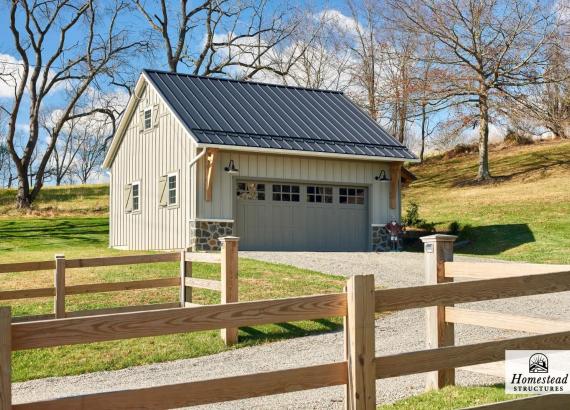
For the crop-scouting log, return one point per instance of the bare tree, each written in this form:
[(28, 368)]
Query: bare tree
[(239, 35), (316, 57), (93, 134), (487, 48), (426, 80), (7, 174), (364, 44), (67, 63), (64, 152), (398, 78), (544, 106)]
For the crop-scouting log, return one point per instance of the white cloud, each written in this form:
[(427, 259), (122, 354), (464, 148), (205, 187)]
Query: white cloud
[(10, 75), (340, 21), (496, 134), (23, 127), (11, 72)]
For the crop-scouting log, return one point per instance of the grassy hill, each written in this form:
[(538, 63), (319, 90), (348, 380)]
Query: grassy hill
[(76, 200), (523, 215)]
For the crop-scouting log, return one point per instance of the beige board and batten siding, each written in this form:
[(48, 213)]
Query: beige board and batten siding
[(292, 168), (145, 156)]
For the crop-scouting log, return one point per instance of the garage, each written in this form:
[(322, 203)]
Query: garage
[(290, 216)]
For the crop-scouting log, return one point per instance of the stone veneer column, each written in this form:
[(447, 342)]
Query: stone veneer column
[(205, 235), (380, 239)]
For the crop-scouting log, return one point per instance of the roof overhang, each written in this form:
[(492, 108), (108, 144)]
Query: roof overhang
[(306, 153)]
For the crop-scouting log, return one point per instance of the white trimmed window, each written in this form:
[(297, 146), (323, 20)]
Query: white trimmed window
[(351, 195), (286, 193), (132, 197), (168, 189), (251, 191), (136, 194), (147, 119), (320, 194), (172, 189)]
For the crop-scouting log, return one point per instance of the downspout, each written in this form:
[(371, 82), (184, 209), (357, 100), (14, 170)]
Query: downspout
[(190, 165), (197, 157)]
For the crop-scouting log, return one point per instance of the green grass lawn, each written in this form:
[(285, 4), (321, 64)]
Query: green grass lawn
[(523, 216), (29, 239), (76, 200), (451, 398)]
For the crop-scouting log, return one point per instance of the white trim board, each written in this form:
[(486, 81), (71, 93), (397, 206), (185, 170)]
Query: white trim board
[(211, 220), (305, 153)]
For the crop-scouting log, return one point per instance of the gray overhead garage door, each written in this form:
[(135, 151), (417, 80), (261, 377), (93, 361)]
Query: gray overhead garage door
[(287, 216)]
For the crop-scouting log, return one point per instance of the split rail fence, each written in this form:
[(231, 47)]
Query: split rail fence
[(358, 371), (227, 286)]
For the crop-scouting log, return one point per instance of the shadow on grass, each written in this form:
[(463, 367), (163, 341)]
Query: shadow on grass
[(41, 233), (485, 240), (283, 331), (537, 163)]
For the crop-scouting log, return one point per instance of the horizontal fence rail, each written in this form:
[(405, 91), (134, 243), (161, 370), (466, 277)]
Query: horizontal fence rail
[(26, 293), (203, 283), (472, 291), (504, 321), (103, 311), (480, 270), (119, 286), (459, 356), (204, 392), (91, 288), (69, 331), (90, 262)]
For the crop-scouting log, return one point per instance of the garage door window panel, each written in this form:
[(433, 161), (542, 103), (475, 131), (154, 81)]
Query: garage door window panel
[(251, 191), (351, 195), (286, 193), (320, 194)]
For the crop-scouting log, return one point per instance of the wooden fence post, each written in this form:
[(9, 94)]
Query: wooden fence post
[(229, 281), (360, 345), (59, 284), (5, 358), (438, 249), (185, 272)]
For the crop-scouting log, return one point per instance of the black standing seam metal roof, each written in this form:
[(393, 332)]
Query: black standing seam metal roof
[(259, 115)]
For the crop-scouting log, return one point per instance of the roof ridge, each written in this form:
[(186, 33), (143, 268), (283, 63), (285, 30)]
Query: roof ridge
[(203, 77)]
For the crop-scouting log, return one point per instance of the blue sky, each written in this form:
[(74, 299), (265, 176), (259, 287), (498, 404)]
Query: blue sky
[(135, 24), (133, 21)]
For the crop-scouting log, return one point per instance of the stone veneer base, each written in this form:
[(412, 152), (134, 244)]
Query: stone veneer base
[(205, 235), (380, 239)]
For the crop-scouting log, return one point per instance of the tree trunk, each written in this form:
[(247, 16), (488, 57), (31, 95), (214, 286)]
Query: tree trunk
[(24, 197), (483, 173), (402, 123), (424, 117)]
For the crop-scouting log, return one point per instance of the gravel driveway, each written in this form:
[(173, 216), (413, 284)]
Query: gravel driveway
[(398, 332)]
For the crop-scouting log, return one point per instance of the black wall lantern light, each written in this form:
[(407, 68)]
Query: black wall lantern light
[(381, 176), (231, 168)]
